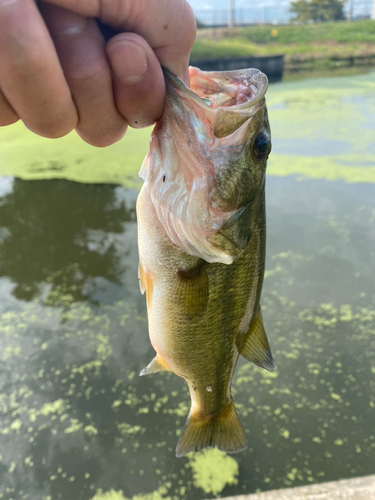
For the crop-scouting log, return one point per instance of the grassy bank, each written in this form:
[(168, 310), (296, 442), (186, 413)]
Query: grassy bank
[(299, 43)]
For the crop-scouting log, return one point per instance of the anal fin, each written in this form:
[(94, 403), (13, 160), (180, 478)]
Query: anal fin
[(256, 347), (155, 366)]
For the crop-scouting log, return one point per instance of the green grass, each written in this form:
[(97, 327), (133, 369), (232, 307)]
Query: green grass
[(325, 39), (343, 32)]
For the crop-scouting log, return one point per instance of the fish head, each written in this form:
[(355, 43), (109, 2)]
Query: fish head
[(208, 157)]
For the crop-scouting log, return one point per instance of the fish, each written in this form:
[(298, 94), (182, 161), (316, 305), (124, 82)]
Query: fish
[(201, 238)]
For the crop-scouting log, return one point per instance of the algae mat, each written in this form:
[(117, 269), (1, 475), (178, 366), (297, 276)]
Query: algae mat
[(322, 129)]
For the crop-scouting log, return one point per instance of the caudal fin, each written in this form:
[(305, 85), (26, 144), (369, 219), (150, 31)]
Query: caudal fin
[(223, 431)]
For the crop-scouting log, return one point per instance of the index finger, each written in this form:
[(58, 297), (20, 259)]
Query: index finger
[(167, 25)]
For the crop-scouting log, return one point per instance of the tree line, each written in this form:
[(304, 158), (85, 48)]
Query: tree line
[(317, 11)]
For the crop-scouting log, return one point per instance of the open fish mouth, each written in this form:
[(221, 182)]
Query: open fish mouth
[(227, 98), (241, 88)]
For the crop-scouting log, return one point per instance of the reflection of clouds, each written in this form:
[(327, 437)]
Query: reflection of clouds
[(6, 185), (4, 234)]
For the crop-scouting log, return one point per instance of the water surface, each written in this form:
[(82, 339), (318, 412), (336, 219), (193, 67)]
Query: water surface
[(77, 422)]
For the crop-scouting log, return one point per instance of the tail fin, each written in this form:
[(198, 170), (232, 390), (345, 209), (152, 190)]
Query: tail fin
[(222, 431)]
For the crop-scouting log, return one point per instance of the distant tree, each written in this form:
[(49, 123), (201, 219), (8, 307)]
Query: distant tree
[(317, 11), (199, 23)]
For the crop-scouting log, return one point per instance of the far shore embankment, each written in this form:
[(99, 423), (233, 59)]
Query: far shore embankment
[(312, 47)]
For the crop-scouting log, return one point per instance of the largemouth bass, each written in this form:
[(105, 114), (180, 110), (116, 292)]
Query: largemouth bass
[(201, 236)]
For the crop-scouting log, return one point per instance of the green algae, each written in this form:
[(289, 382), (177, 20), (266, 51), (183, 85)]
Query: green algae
[(28, 156), (323, 167), (314, 115), (109, 495), (118, 495), (331, 117), (213, 470), (127, 429)]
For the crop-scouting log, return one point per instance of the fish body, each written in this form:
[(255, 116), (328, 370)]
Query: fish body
[(201, 236)]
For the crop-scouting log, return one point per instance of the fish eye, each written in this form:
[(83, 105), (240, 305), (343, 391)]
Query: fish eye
[(262, 146)]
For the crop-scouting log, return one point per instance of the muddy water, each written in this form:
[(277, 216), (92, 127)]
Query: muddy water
[(76, 421)]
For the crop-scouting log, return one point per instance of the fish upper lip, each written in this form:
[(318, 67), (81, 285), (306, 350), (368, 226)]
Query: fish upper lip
[(179, 84), (256, 77)]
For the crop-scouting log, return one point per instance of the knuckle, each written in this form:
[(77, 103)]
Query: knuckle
[(7, 7), (95, 69), (190, 25), (102, 138), (7, 114), (30, 64), (53, 128), (8, 120)]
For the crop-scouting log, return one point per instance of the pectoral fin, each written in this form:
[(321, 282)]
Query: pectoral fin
[(156, 365), (145, 283), (256, 347), (141, 279), (192, 289)]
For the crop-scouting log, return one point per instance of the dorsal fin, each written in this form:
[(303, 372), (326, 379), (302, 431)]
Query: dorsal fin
[(155, 366), (256, 347)]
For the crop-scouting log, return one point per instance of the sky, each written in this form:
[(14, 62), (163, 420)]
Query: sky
[(258, 10), (224, 4), (247, 10)]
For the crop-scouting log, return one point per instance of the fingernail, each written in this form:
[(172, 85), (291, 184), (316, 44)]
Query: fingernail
[(128, 61)]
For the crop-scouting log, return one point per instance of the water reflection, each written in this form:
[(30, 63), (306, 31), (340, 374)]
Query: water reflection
[(75, 419), (55, 239)]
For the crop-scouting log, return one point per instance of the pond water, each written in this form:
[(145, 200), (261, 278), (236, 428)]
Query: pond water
[(76, 421)]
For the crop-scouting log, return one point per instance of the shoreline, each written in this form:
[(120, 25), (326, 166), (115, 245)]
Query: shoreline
[(358, 488)]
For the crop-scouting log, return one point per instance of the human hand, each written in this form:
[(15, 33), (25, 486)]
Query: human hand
[(58, 74)]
